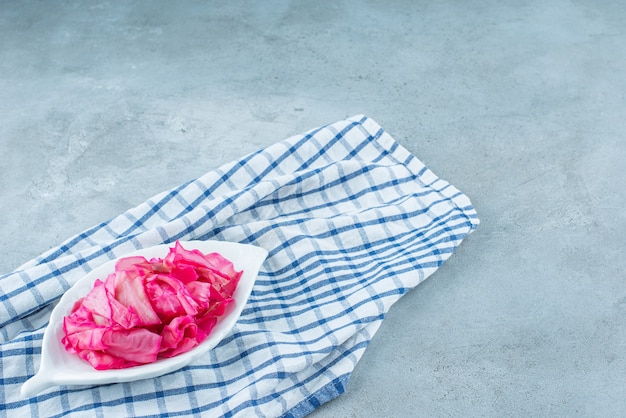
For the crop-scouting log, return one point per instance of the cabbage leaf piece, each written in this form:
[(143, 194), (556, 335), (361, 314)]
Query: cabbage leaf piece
[(150, 309)]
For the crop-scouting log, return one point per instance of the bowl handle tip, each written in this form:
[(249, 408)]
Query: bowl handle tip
[(33, 386)]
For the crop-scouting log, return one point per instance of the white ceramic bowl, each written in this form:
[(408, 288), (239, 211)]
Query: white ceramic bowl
[(58, 367)]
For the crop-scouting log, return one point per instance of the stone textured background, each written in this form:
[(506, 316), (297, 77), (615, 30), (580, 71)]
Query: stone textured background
[(521, 106)]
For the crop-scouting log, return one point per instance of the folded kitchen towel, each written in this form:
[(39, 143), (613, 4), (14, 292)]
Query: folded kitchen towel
[(351, 221)]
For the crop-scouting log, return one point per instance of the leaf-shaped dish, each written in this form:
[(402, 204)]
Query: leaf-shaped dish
[(58, 367)]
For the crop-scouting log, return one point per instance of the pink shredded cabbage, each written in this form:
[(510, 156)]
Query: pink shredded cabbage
[(150, 309)]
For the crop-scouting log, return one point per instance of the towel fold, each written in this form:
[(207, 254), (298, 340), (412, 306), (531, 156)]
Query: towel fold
[(351, 221)]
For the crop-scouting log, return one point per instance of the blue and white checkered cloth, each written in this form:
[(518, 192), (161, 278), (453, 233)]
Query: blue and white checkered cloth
[(351, 221)]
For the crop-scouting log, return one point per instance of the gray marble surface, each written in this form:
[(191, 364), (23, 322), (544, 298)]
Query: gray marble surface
[(521, 106)]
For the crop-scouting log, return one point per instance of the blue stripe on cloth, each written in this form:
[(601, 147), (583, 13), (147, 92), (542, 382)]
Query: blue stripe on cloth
[(351, 221)]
